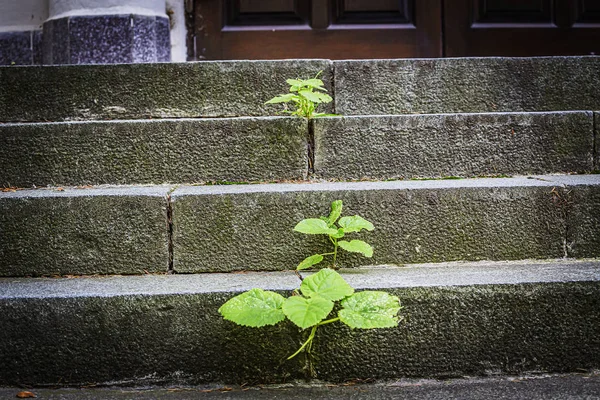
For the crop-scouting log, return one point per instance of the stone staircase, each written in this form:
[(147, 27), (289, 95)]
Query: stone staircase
[(139, 198)]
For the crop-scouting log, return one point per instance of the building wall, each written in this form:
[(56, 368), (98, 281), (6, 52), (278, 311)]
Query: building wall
[(91, 31)]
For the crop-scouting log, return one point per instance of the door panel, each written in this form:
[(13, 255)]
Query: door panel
[(513, 11), (521, 27), (355, 29), (266, 12), (372, 11), (334, 29)]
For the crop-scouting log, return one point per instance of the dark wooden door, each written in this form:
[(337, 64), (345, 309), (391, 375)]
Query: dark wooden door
[(521, 27), (334, 29)]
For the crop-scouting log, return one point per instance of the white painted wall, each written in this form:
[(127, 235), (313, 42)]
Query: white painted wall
[(68, 8), (22, 15), (176, 12)]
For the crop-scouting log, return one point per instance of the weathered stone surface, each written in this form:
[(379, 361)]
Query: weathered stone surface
[(466, 145), (579, 385), (462, 331), (475, 319), (106, 39), (597, 141), (205, 89), (456, 85), (249, 227), (583, 239), (16, 48), (580, 201), (158, 151), (83, 231)]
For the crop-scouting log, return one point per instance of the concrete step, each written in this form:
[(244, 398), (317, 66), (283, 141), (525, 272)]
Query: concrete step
[(249, 227), (119, 230), (153, 151), (240, 88), (163, 90), (461, 319), (527, 387), (465, 145), (466, 85), (277, 148), (133, 230)]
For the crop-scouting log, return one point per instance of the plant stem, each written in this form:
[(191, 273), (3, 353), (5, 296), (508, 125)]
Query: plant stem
[(329, 321), (308, 341), (335, 244)]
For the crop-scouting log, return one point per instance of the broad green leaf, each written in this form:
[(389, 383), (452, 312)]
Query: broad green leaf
[(309, 262), (314, 226), (312, 96), (336, 211), (315, 97), (314, 83), (369, 309), (307, 312), (327, 284), (339, 234), (284, 98), (294, 82), (355, 224), (254, 308), (325, 98), (357, 246)]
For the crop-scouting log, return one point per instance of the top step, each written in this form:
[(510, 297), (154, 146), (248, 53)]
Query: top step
[(142, 91), (240, 88), (467, 85)]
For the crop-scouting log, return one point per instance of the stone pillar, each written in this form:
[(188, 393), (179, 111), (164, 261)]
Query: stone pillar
[(106, 31), (21, 31)]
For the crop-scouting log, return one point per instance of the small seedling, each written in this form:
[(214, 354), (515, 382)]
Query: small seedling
[(310, 306), (306, 95), (335, 228)]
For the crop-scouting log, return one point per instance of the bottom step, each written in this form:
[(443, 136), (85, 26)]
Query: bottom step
[(461, 319), (544, 387)]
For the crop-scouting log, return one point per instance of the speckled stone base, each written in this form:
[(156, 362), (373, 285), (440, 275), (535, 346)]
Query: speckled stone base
[(21, 48), (106, 39)]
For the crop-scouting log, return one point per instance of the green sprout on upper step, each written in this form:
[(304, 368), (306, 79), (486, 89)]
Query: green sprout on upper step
[(335, 228), (310, 306), (306, 95)]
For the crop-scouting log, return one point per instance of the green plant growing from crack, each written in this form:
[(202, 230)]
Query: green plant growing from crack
[(306, 95), (335, 228), (311, 304)]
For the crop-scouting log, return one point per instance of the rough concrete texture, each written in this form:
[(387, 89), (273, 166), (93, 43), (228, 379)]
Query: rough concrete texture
[(529, 387), (205, 89), (418, 146), (597, 141), (583, 229), (454, 85), (176, 336), (134, 152), (249, 227), (83, 231), (581, 205), (458, 331)]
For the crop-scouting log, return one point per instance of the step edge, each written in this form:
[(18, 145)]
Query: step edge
[(453, 274)]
